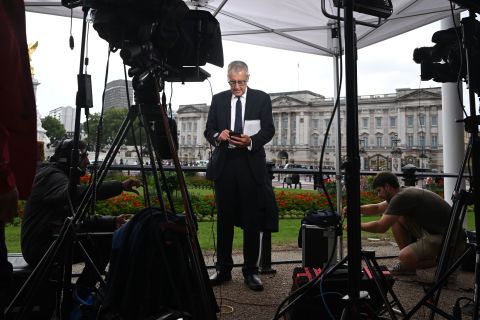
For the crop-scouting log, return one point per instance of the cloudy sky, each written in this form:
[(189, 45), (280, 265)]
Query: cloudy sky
[(382, 67)]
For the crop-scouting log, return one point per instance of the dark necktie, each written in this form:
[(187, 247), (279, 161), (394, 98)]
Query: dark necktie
[(238, 117)]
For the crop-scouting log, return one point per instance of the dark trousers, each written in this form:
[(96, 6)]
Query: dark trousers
[(5, 271), (237, 204), (251, 248)]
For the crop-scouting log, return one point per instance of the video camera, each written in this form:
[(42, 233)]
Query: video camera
[(164, 33), (446, 60)]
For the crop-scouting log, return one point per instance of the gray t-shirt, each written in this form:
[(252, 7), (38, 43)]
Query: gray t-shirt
[(423, 207)]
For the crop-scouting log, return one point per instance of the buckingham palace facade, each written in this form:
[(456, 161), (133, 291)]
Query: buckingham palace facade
[(395, 129)]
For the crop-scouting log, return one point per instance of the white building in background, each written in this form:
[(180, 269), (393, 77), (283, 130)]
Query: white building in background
[(66, 116), (191, 121), (41, 133), (395, 129)]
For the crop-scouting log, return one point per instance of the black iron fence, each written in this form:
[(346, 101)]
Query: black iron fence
[(410, 175)]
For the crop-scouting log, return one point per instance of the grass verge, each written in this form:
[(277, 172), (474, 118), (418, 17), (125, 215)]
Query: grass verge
[(288, 235)]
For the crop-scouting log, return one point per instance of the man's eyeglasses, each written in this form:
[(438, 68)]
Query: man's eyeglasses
[(232, 83)]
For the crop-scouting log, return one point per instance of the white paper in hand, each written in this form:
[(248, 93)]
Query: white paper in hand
[(251, 127)]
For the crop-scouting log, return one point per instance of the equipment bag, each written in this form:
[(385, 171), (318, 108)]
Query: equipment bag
[(319, 218), (151, 269)]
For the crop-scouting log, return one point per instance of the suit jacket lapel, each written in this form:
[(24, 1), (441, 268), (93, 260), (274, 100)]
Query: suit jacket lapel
[(228, 109), (248, 105)]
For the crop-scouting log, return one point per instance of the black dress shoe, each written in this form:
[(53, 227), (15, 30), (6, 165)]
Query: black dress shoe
[(253, 282), (219, 277)]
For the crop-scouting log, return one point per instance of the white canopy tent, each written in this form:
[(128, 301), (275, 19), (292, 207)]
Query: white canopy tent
[(292, 24)]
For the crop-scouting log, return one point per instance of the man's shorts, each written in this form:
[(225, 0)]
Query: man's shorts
[(428, 245)]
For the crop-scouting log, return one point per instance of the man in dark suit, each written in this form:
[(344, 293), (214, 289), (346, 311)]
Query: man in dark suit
[(239, 124)]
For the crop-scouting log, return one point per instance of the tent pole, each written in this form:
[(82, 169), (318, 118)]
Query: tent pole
[(352, 166), (333, 46), (452, 131)]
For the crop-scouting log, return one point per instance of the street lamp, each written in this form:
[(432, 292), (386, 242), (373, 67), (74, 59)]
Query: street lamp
[(396, 154), (363, 155)]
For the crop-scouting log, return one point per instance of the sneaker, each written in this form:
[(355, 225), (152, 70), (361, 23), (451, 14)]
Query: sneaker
[(400, 270)]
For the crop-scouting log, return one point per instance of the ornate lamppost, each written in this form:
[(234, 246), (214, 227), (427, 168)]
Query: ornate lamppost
[(363, 156), (396, 154)]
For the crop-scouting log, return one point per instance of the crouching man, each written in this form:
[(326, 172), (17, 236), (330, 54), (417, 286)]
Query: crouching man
[(419, 218)]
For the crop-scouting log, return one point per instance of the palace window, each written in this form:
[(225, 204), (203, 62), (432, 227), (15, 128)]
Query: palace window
[(393, 122), (410, 121)]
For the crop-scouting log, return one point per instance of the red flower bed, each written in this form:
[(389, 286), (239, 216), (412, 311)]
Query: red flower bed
[(301, 201)]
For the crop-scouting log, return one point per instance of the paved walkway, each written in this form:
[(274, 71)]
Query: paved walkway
[(238, 302)]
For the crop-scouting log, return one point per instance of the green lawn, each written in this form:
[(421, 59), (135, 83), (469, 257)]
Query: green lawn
[(287, 236), (12, 238), (207, 230)]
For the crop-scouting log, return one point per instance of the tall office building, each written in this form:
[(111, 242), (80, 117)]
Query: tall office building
[(116, 94), (66, 116)]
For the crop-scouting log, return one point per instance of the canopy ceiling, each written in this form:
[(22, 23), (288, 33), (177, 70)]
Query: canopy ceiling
[(296, 25)]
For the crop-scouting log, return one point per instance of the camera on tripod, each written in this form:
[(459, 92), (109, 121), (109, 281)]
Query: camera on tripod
[(162, 33), (160, 39), (165, 32), (446, 60)]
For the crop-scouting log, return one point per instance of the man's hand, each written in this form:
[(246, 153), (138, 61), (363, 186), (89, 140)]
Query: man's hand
[(242, 141), (8, 205), (130, 183), (224, 135), (122, 219)]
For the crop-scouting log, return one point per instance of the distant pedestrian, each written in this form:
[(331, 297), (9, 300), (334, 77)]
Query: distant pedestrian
[(296, 180)]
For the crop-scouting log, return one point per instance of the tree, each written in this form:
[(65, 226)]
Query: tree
[(55, 129), (112, 121)]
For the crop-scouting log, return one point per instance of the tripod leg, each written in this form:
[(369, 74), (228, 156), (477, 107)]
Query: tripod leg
[(449, 244), (153, 152), (98, 176), (208, 298), (383, 287)]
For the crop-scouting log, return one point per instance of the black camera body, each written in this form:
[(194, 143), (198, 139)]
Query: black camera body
[(446, 61), (164, 32)]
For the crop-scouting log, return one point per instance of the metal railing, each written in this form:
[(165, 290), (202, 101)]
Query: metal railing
[(410, 175)]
